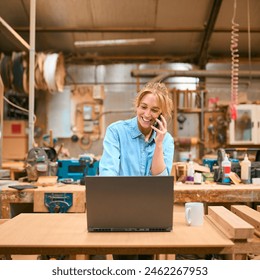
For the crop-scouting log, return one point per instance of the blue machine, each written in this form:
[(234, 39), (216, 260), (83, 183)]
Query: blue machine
[(76, 169)]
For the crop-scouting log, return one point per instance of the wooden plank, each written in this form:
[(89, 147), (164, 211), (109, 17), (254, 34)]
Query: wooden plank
[(248, 214), (232, 225), (13, 36), (46, 181), (3, 221), (258, 208)]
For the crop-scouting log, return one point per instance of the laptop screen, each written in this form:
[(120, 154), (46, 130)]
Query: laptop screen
[(129, 203)]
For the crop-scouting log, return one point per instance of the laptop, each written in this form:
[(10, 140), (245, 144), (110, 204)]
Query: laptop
[(129, 203)]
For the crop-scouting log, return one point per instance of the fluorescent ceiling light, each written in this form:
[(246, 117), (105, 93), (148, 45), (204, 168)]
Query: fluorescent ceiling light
[(117, 42)]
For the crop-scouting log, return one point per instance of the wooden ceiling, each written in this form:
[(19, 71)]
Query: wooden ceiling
[(182, 30)]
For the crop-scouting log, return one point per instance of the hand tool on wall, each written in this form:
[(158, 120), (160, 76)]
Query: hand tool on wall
[(181, 119)]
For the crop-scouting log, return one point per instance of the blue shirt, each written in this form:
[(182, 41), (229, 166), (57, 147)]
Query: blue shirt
[(126, 153)]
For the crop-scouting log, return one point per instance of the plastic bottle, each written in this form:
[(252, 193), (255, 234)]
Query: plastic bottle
[(246, 170), (190, 173), (226, 169)]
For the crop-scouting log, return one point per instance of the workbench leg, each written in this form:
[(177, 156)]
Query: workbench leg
[(240, 257), (79, 257), (5, 257), (88, 257), (160, 256), (236, 257), (165, 257)]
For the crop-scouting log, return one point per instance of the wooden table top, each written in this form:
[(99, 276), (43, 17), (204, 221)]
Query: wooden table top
[(67, 234)]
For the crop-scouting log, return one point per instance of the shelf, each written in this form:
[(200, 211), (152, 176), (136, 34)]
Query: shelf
[(189, 102), (17, 40)]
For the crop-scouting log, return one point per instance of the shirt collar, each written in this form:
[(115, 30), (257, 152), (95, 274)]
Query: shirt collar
[(135, 132)]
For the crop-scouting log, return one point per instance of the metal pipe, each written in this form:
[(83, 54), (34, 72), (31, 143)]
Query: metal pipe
[(164, 73), (202, 55), (202, 95), (1, 119), (31, 73)]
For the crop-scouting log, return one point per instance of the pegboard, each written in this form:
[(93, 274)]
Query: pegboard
[(87, 110), (215, 129)]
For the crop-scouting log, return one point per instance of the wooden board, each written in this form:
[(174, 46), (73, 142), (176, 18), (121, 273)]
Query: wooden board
[(78, 200), (3, 221), (248, 214), (46, 181), (232, 225)]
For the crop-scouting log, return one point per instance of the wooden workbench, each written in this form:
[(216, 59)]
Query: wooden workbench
[(51, 234), (215, 193), (222, 232), (208, 193), (9, 196), (14, 167)]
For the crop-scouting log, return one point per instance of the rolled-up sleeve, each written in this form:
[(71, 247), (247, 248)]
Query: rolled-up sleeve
[(168, 154)]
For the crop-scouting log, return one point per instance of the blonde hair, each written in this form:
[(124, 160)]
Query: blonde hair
[(161, 92)]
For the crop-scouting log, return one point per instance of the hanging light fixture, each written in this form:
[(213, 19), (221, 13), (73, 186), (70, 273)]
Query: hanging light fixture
[(116, 42)]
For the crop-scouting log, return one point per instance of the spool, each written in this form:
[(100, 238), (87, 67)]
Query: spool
[(188, 141)]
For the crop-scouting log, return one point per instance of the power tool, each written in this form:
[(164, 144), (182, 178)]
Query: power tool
[(73, 170)]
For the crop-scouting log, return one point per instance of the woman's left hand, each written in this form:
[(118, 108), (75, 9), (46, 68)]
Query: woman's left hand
[(161, 129)]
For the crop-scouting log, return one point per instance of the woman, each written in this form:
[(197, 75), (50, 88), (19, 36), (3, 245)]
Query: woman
[(135, 147), (141, 146)]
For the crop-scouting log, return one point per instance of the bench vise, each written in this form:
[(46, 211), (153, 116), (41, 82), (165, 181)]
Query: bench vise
[(58, 202)]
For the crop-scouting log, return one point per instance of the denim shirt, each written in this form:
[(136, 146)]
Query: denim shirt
[(126, 153)]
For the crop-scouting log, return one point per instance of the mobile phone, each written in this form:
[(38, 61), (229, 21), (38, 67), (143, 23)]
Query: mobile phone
[(156, 124)]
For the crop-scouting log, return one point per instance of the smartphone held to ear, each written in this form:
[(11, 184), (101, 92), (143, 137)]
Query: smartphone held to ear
[(156, 124)]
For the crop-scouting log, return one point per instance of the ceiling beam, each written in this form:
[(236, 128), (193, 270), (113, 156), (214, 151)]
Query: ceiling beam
[(202, 55), (108, 29), (51, 29)]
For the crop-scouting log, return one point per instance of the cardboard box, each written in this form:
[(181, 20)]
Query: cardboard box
[(15, 139)]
